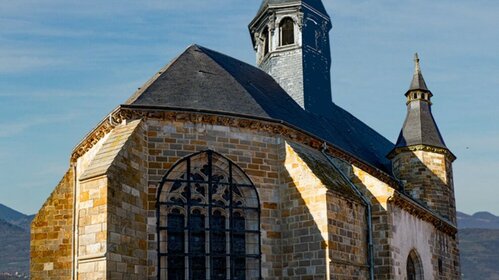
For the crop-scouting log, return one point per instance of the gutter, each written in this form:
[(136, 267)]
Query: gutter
[(367, 203)]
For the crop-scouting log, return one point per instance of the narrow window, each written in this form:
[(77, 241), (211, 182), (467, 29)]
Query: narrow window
[(411, 269), (287, 31), (239, 247), (218, 241), (197, 245), (414, 268), (266, 43), (176, 263)]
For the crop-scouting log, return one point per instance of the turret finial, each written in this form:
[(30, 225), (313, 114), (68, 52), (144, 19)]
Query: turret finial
[(416, 63)]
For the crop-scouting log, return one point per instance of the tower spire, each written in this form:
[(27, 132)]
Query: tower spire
[(419, 127), (416, 64), (418, 82)]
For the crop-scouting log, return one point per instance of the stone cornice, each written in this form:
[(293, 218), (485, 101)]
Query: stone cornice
[(418, 210), (130, 112), (426, 148), (103, 128)]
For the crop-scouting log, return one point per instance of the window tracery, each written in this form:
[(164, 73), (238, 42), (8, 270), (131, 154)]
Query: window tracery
[(208, 221)]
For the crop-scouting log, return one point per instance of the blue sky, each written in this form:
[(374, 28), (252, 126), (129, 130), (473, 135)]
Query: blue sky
[(64, 65)]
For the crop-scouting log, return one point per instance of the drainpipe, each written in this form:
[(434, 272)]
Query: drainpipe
[(367, 203), (73, 241)]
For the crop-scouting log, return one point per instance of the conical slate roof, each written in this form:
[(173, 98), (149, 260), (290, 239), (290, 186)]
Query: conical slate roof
[(418, 82), (204, 80), (316, 4), (419, 127)]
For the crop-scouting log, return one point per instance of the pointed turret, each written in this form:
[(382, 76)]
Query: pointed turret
[(418, 82), (420, 159), (419, 127)]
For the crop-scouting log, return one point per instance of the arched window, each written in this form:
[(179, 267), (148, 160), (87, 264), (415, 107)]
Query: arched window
[(266, 41), (414, 267), (208, 221), (287, 30)]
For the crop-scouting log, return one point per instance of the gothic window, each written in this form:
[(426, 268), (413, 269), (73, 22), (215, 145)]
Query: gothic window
[(208, 221), (287, 30), (414, 268), (266, 41)]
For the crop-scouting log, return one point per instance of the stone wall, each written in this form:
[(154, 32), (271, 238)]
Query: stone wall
[(51, 233), (437, 251), (347, 226), (427, 178), (256, 153), (96, 207), (126, 209), (286, 67), (312, 223), (445, 259), (379, 193), (410, 233), (304, 219), (92, 228)]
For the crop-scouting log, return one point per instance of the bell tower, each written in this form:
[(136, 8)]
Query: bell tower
[(291, 40), (420, 159)]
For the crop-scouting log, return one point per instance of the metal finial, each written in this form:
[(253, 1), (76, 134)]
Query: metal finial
[(416, 62)]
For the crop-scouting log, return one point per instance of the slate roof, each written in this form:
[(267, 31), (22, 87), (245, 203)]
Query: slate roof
[(419, 126), (418, 82), (316, 4), (205, 80)]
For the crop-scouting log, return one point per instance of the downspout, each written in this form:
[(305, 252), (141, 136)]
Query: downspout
[(367, 203), (73, 241)]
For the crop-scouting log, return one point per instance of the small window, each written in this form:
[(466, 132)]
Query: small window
[(287, 30), (266, 39), (415, 96)]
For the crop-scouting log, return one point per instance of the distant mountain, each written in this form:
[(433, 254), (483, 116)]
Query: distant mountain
[(14, 249), (14, 217), (479, 253), (14, 242), (484, 220)]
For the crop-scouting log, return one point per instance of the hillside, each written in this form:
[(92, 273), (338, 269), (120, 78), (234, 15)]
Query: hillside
[(477, 220), (14, 248), (14, 217), (479, 253)]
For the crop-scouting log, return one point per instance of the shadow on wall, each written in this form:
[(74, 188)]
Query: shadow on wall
[(427, 179), (323, 222)]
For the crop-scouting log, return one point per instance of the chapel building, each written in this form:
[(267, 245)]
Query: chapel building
[(216, 169)]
